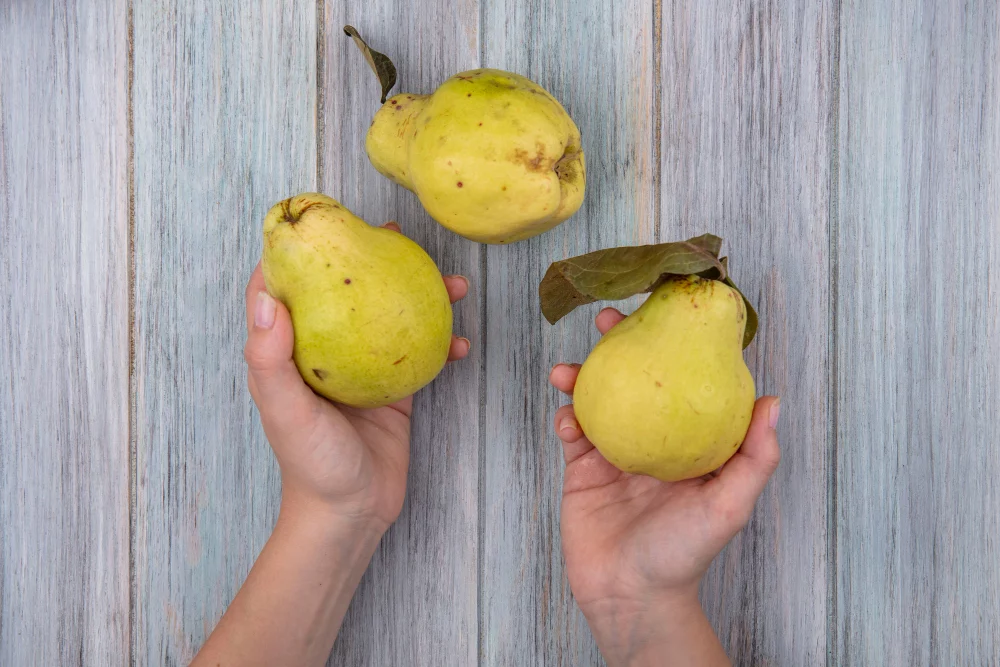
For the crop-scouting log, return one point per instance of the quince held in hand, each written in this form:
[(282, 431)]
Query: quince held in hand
[(491, 155), (369, 307), (666, 392)]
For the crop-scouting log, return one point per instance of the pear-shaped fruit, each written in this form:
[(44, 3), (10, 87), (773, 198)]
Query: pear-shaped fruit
[(666, 392), (491, 155), (370, 310)]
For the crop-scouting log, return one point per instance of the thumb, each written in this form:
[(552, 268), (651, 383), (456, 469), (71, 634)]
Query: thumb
[(283, 398), (745, 475)]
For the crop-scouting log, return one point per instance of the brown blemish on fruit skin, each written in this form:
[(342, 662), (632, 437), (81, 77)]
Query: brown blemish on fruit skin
[(400, 360), (503, 187), (536, 163), (347, 281), (459, 184), (319, 373), (659, 384)]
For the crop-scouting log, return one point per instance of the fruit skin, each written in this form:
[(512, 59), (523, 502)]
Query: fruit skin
[(491, 155), (369, 307), (666, 392)]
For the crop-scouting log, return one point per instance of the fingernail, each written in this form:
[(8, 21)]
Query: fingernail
[(567, 423), (772, 415), (263, 313), (468, 343)]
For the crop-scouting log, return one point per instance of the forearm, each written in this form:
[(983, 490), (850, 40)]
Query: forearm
[(291, 606), (673, 633)]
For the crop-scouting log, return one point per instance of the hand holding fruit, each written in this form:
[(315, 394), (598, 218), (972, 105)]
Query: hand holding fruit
[(637, 547), (351, 460)]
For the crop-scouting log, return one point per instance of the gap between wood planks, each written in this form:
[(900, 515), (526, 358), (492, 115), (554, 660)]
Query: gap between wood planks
[(833, 231), (133, 443)]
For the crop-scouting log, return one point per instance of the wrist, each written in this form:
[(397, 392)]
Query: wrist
[(324, 519), (643, 630)]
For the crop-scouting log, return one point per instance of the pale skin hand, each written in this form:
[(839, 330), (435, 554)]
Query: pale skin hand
[(343, 480), (636, 548)]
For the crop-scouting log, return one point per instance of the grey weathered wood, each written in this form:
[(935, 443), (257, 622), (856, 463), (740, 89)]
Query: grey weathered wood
[(597, 59), (224, 113), (747, 103), (64, 462), (918, 345), (696, 117), (417, 604)]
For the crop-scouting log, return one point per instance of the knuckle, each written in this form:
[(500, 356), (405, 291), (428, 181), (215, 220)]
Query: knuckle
[(253, 356)]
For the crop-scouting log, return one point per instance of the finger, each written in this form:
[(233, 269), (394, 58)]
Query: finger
[(568, 429), (459, 348), (608, 318), (457, 286), (285, 401), (392, 226), (563, 377), (254, 285), (745, 475)]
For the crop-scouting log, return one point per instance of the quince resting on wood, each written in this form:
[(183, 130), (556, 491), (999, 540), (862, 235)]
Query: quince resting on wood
[(369, 307), (666, 392), (491, 155)]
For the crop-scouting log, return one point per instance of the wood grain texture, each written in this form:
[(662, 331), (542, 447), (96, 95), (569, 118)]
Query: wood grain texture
[(919, 335), (224, 113), (64, 463), (597, 59), (417, 604), (747, 103)]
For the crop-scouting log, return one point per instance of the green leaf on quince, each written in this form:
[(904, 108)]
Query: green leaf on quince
[(379, 62), (618, 273)]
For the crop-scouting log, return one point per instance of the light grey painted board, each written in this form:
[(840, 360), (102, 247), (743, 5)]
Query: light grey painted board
[(224, 100), (64, 462), (417, 604), (918, 335), (747, 105), (597, 59)]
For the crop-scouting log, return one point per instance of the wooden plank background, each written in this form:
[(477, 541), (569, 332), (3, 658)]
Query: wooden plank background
[(417, 604), (528, 614), (218, 140), (918, 329), (747, 111), (848, 152), (64, 318)]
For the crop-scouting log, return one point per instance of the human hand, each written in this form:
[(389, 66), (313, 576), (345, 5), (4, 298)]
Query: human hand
[(636, 548), (333, 457)]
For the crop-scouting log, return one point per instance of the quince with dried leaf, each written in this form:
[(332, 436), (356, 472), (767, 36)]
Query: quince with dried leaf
[(666, 392)]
